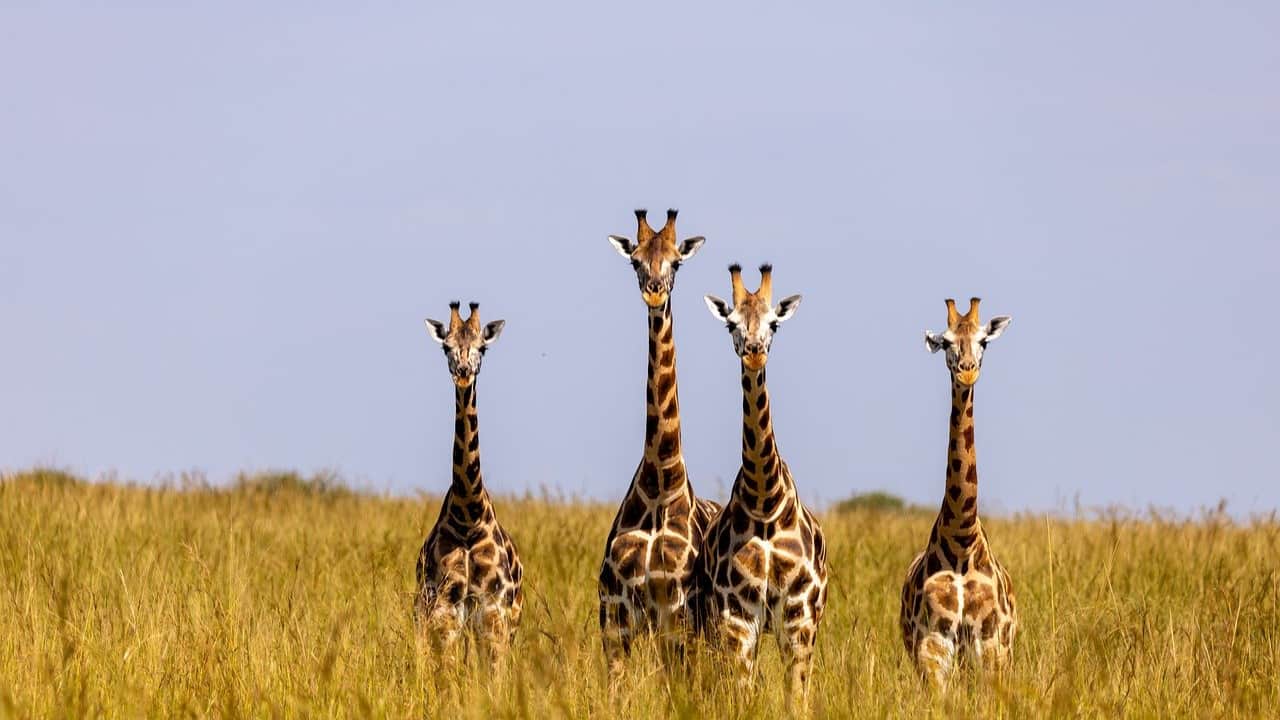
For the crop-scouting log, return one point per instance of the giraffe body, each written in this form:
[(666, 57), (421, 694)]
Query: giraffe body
[(646, 576), (957, 602), (763, 567), (469, 574)]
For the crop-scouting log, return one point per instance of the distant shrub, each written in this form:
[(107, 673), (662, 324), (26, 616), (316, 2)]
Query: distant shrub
[(290, 482), (49, 477), (878, 501)]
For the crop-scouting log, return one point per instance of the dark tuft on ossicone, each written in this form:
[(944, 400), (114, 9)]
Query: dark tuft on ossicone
[(474, 306), (455, 304), (735, 268), (671, 213), (767, 267), (640, 213)]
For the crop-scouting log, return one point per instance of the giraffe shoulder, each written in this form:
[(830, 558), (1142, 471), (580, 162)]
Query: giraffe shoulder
[(504, 539), (626, 555), (437, 549), (706, 510), (704, 514), (426, 559), (915, 573), (819, 537), (633, 514)]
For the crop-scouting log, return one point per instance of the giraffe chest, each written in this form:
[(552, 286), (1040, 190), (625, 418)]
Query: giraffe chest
[(641, 513), (772, 565), (479, 567), (973, 607), (655, 553)]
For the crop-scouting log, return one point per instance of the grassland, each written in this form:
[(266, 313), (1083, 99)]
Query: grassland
[(291, 597)]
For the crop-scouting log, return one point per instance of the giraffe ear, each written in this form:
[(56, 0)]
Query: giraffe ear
[(492, 331), (690, 247), (787, 307), (719, 308), (996, 327), (934, 342), (624, 246), (436, 330)]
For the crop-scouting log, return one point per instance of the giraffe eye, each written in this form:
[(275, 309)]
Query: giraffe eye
[(675, 265), (773, 326), (731, 325)]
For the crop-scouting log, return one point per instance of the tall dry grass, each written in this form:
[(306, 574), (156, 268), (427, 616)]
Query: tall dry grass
[(291, 596)]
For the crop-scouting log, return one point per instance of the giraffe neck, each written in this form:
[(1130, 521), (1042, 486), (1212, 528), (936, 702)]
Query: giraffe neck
[(662, 448), (761, 485), (958, 518), (468, 500)]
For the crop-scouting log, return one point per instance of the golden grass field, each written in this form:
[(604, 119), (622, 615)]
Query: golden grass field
[(290, 597)]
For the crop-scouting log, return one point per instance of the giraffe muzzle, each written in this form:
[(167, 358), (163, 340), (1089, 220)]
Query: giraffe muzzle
[(654, 299), (967, 377), (755, 360)]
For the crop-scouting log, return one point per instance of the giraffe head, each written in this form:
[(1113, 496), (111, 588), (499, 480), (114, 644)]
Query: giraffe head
[(752, 319), (965, 340), (656, 256), (464, 341)]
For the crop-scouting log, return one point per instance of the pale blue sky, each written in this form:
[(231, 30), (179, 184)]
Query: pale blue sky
[(221, 228)]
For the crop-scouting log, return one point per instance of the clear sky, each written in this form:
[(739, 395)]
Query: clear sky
[(222, 227)]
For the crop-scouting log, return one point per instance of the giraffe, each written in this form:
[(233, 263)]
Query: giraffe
[(763, 566), (469, 575), (957, 601), (647, 571)]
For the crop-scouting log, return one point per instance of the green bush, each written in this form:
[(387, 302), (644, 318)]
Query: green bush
[(877, 500)]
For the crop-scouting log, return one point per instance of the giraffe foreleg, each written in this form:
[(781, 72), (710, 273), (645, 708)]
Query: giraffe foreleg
[(617, 641), (615, 631), (515, 612), (796, 648), (496, 632), (673, 626), (994, 646), (935, 658), (674, 641), (738, 637), (423, 601), (943, 600), (997, 640), (442, 626)]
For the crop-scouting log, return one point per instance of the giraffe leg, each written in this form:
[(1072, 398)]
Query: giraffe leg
[(672, 643), (999, 646), (495, 629), (739, 638), (443, 628), (944, 605), (795, 644), (515, 611), (995, 646), (615, 627), (675, 630), (615, 622), (935, 657), (422, 604)]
